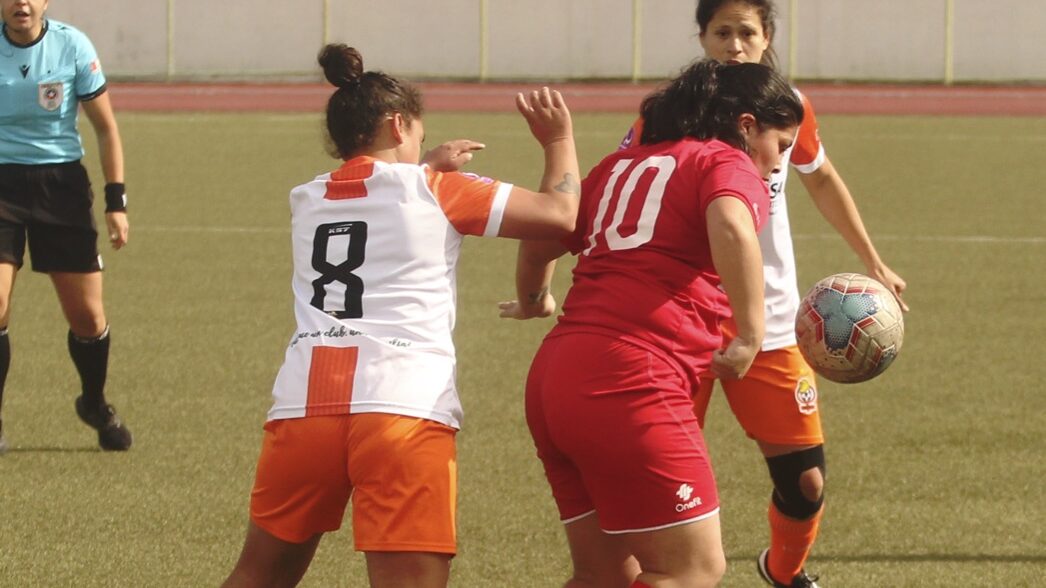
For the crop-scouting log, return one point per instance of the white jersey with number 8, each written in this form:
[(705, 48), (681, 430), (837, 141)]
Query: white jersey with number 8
[(375, 249)]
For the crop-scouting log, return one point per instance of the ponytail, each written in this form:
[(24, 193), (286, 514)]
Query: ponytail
[(362, 100)]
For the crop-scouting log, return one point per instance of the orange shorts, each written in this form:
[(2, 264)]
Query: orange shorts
[(776, 402), (401, 474)]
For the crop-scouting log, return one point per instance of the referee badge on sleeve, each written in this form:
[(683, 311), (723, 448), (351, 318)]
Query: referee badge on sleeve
[(50, 95)]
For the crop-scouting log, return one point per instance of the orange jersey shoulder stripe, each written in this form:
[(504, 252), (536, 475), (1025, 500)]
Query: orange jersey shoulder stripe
[(348, 180), (466, 199)]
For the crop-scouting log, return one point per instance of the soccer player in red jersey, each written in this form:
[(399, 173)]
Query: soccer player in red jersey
[(777, 401), (666, 240)]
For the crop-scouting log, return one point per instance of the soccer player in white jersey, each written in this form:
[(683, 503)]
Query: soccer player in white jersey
[(49, 69), (365, 404), (776, 402)]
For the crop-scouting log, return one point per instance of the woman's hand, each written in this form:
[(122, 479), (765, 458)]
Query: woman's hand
[(118, 227), (733, 362), (547, 115), (544, 306), (452, 155), (893, 282)]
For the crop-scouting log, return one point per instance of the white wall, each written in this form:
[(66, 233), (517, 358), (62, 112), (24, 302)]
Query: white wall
[(889, 40), (1000, 40), (415, 38)]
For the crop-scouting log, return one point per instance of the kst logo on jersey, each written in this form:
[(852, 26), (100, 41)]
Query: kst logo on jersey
[(684, 493)]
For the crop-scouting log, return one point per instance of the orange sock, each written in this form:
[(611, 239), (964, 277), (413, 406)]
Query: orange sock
[(790, 543)]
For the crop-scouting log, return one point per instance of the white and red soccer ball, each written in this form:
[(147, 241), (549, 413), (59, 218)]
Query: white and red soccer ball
[(850, 328)]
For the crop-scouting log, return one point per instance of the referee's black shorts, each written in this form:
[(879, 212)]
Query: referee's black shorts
[(50, 206)]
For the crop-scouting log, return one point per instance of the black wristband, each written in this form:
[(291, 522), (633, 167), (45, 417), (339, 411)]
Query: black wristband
[(115, 197)]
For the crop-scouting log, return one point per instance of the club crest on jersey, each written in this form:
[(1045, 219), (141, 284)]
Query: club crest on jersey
[(806, 396), (51, 95)]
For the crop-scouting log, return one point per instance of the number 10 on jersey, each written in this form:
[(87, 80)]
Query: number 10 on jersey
[(651, 204)]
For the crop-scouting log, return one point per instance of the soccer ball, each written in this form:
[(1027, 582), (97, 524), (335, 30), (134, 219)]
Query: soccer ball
[(849, 328)]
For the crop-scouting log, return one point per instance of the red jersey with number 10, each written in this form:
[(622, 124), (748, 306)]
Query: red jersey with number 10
[(645, 271)]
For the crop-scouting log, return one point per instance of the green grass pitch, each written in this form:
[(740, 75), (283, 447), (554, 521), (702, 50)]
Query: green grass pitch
[(936, 469)]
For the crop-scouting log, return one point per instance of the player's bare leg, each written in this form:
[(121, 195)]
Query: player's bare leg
[(269, 562), (689, 555), (402, 569), (599, 559), (80, 295), (795, 511), (8, 272)]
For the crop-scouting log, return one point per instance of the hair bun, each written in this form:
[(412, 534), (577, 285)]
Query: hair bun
[(342, 65)]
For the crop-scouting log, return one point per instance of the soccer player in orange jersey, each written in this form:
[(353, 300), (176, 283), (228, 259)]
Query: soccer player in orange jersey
[(365, 405)]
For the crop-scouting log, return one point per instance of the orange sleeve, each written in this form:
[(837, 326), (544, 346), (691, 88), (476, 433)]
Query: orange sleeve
[(807, 155), (474, 205)]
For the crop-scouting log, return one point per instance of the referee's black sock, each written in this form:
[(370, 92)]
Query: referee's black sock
[(5, 361), (91, 357)]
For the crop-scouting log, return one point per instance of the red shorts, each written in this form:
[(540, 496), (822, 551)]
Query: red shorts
[(776, 402), (401, 473), (615, 430)]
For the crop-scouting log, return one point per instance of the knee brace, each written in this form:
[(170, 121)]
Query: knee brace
[(785, 471)]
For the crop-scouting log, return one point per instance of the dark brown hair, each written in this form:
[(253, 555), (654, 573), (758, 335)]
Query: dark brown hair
[(362, 100), (707, 9), (707, 98)]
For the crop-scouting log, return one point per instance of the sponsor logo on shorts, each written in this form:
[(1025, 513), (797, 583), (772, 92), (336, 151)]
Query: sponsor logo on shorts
[(684, 493), (806, 396)]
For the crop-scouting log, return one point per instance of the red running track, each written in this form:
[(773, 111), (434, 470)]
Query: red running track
[(594, 97)]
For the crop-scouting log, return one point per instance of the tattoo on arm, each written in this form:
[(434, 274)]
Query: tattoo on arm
[(536, 297), (569, 185)]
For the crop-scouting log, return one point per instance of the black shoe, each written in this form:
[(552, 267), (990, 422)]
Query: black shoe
[(112, 434), (801, 580)]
